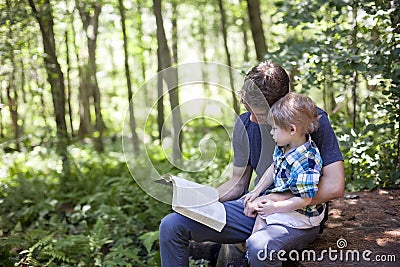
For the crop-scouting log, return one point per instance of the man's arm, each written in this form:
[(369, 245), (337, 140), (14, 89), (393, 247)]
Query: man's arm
[(237, 185), (331, 184)]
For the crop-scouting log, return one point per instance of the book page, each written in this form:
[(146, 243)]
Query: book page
[(198, 202), (191, 194)]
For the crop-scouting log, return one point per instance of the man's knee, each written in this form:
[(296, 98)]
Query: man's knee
[(169, 227)]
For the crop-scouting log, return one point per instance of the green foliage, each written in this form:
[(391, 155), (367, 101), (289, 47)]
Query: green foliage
[(95, 218), (96, 215), (149, 239), (330, 43)]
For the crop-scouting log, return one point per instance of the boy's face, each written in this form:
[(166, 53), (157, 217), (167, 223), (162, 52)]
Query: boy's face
[(281, 136)]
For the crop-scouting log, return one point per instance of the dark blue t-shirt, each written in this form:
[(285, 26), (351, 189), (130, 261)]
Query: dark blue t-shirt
[(253, 144)]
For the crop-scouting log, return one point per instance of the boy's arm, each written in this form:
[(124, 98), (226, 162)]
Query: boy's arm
[(270, 207), (265, 181), (331, 184), (304, 187), (237, 185)]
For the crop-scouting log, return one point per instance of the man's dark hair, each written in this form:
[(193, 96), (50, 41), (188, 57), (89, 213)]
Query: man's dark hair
[(268, 78)]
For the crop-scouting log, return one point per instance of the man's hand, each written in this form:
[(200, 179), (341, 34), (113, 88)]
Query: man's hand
[(237, 185), (250, 208)]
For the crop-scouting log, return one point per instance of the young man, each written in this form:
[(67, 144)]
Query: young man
[(253, 148)]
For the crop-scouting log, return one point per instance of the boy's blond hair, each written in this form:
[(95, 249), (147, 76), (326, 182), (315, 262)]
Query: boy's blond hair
[(295, 109)]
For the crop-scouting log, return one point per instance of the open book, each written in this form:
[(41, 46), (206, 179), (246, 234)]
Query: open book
[(196, 201)]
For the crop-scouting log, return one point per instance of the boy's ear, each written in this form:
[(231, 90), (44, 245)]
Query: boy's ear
[(293, 129)]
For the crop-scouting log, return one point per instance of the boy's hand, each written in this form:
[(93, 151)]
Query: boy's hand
[(265, 207), (250, 197)]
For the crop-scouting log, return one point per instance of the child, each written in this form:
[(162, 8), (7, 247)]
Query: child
[(297, 166)]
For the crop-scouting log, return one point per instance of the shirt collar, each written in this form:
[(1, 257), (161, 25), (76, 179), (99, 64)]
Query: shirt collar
[(296, 153)]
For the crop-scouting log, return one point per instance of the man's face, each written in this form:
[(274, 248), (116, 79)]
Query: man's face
[(258, 115)]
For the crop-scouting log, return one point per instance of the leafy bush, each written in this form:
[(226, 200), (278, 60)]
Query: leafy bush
[(94, 217)]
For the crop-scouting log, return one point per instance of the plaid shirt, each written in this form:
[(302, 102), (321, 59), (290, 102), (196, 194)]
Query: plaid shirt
[(299, 171)]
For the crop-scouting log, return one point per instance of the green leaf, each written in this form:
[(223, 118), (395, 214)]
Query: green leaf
[(148, 239)]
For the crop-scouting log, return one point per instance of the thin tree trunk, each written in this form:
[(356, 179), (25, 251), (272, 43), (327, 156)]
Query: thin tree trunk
[(160, 97), (174, 22), (246, 57), (23, 92), (135, 139), (114, 72), (243, 28), (54, 75), (203, 51), (92, 43), (85, 118), (23, 80), (354, 81), (12, 105), (331, 93), (91, 25), (139, 24), (253, 7), (12, 95), (69, 84), (228, 56), (355, 72), (1, 116), (171, 80)]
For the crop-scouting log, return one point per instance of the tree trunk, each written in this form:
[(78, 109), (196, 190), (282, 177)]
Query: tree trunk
[(12, 105), (135, 139), (171, 80), (85, 121), (228, 56), (243, 28), (12, 96), (355, 72), (23, 80), (202, 36), (69, 84), (91, 25), (160, 97), (256, 26), (142, 59), (174, 22), (1, 116), (55, 76)]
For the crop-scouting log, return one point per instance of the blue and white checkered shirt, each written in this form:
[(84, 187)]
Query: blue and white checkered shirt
[(299, 171)]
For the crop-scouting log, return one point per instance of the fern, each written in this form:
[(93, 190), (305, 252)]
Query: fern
[(56, 255), (148, 239), (41, 243)]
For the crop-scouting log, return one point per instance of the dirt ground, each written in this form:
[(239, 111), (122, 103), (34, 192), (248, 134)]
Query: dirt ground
[(363, 230)]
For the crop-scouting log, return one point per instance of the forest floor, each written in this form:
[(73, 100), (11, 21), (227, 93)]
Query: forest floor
[(366, 224)]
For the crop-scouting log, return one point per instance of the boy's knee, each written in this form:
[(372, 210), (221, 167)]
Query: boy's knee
[(261, 250)]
